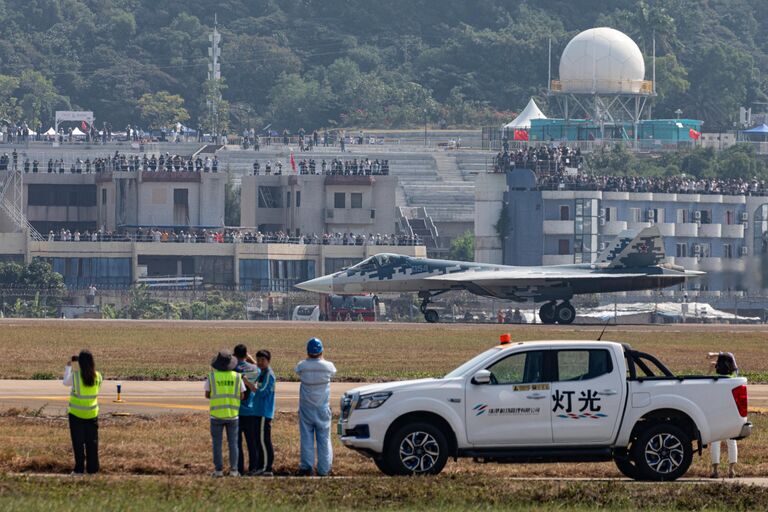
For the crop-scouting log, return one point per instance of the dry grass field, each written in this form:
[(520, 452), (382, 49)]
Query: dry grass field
[(162, 463), (182, 350), (180, 445)]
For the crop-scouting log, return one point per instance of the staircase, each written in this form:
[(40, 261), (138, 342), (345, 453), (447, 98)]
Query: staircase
[(12, 182)]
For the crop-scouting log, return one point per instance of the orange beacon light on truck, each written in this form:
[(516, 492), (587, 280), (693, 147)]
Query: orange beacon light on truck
[(505, 339)]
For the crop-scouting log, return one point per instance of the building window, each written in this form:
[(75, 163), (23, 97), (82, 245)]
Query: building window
[(682, 216), (61, 195), (565, 212), (339, 200), (270, 197), (287, 199), (729, 216), (681, 250), (727, 251), (706, 216), (635, 215), (298, 198), (103, 196), (356, 200), (563, 247)]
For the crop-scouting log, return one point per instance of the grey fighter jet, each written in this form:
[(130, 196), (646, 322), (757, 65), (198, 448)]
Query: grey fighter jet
[(634, 261)]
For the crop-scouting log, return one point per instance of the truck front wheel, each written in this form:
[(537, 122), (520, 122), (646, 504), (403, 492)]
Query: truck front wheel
[(662, 452), (416, 449)]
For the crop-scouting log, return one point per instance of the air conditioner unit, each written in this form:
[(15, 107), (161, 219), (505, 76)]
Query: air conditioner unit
[(601, 221), (603, 246), (601, 213), (698, 222), (697, 215), (744, 250), (744, 216), (745, 224), (696, 249), (329, 213), (373, 214), (650, 214)]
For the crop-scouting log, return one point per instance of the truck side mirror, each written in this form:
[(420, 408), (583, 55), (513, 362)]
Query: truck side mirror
[(482, 377)]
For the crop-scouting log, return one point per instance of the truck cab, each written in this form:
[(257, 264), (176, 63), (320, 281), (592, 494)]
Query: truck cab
[(547, 401)]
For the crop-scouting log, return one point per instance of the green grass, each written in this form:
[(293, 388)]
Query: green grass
[(365, 352), (25, 494)]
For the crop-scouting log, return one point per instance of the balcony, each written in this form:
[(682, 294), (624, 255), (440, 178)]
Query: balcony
[(710, 230), (689, 229), (732, 231), (558, 227), (557, 259), (613, 228), (667, 228)]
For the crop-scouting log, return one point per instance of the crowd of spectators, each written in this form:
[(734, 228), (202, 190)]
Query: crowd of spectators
[(336, 167), (544, 159), (118, 163), (658, 184), (231, 236)]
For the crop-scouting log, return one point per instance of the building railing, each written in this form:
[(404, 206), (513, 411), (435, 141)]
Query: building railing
[(212, 237)]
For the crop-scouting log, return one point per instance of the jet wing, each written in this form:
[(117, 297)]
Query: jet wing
[(526, 276)]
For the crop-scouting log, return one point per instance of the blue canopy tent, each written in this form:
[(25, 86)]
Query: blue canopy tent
[(756, 133)]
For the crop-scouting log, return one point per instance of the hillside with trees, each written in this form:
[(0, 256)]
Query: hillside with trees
[(324, 63)]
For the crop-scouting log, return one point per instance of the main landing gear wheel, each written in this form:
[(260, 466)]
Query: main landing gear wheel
[(565, 313), (430, 315), (551, 313), (547, 313)]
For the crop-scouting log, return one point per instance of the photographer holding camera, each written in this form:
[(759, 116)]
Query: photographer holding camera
[(83, 411)]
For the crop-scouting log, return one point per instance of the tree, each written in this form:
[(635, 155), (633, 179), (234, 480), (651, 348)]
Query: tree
[(232, 204), (214, 120), (463, 247), (162, 109), (39, 98), (9, 104)]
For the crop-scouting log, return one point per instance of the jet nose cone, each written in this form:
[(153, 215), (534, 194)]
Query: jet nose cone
[(320, 285)]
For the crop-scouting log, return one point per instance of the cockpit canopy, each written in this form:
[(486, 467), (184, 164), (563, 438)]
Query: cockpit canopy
[(377, 262)]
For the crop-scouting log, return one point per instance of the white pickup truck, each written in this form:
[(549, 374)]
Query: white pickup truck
[(547, 401)]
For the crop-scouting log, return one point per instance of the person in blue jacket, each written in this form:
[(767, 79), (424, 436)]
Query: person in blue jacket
[(315, 409), (248, 414), (264, 407)]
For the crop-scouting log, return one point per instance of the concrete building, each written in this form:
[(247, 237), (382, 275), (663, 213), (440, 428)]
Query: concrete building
[(114, 200), (306, 204), (724, 235)]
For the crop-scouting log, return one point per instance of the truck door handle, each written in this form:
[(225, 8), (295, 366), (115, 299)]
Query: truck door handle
[(535, 397), (607, 392)]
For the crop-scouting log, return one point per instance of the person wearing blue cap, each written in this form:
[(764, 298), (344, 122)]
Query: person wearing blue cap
[(315, 374)]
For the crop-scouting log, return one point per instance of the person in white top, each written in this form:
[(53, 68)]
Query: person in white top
[(315, 410)]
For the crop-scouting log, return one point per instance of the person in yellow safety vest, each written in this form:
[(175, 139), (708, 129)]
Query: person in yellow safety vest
[(225, 388), (83, 411)]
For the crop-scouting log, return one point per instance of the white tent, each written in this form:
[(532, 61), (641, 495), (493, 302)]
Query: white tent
[(30, 131), (77, 132), (51, 132), (523, 120)]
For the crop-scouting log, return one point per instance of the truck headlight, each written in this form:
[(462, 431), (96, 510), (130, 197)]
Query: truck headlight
[(372, 400)]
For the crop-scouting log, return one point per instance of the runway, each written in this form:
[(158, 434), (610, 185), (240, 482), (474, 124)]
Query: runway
[(152, 398)]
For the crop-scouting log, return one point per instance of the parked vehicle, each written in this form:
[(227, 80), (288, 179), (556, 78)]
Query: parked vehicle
[(547, 401), (306, 313)]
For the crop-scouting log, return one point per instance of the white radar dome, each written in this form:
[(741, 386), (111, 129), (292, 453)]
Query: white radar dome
[(604, 61)]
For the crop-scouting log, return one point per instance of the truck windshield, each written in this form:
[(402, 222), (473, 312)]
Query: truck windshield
[(461, 370)]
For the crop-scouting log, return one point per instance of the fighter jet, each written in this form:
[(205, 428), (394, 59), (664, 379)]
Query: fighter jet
[(634, 261)]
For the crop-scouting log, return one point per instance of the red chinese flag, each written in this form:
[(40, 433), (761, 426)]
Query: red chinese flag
[(521, 135), (694, 134), (83, 126), (293, 163)]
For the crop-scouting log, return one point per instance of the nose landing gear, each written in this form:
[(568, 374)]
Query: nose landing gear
[(551, 313), (430, 315)]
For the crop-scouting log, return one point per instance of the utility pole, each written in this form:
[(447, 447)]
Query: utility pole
[(214, 75)]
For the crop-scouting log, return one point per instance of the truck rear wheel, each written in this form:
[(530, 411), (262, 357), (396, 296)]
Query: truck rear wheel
[(628, 468), (416, 449), (662, 452)]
